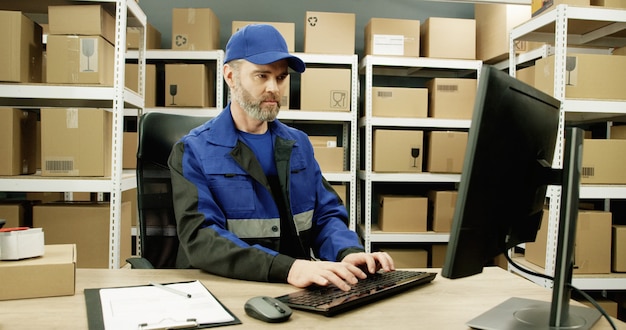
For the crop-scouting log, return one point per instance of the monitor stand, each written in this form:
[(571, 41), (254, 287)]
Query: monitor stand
[(527, 314)]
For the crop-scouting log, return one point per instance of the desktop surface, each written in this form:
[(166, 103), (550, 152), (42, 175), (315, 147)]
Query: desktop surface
[(442, 304)]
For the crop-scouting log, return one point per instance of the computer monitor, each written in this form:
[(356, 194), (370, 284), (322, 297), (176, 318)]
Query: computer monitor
[(502, 193)]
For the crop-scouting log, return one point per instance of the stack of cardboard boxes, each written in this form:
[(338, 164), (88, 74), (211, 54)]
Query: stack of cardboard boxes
[(192, 84), (73, 142)]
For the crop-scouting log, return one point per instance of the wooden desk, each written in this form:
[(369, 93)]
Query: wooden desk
[(443, 304)]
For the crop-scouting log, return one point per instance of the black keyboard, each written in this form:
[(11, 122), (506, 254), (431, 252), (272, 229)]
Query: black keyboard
[(331, 300)]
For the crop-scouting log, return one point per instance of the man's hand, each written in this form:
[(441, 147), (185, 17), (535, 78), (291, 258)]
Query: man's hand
[(342, 274), (373, 262)]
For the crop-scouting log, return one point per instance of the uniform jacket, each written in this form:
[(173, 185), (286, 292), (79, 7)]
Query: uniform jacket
[(227, 220)]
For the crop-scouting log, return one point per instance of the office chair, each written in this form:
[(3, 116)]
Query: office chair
[(158, 132)]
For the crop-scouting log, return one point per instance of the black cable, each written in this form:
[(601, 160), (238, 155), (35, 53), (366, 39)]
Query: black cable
[(569, 285)]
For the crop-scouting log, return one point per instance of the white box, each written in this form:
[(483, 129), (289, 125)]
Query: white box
[(21, 244)]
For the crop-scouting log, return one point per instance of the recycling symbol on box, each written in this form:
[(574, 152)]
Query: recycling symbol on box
[(312, 20), (180, 40)]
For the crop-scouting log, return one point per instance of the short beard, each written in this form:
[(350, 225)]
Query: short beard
[(251, 106)]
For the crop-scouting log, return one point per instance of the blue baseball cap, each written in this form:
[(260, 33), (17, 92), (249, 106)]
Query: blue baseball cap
[(261, 44)]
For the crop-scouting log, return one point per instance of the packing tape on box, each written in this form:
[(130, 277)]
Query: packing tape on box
[(21, 243)]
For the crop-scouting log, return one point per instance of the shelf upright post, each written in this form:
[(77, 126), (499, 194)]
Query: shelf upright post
[(560, 53), (353, 154), (369, 74), (219, 80), (121, 11)]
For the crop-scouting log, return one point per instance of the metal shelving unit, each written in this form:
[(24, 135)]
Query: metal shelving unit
[(347, 119), (211, 57), (419, 67), (115, 98), (565, 27)]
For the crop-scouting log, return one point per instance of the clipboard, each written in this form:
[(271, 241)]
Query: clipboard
[(137, 296)]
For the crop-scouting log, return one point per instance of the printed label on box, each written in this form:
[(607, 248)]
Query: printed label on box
[(88, 55), (339, 99), (388, 44)]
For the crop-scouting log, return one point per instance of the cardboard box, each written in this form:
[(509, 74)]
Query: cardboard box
[(408, 258), (132, 81), (603, 161), (619, 51), (402, 213), (526, 75), (618, 262), (609, 3), (330, 159), (13, 214), (286, 29), (82, 20), (86, 225), (494, 22), (329, 33), (53, 274), (188, 85), (400, 102), (153, 37), (446, 151), (441, 205), (540, 6), (618, 132), (451, 98), (325, 89), (18, 141), (323, 141), (79, 60), (21, 52), (592, 251), (535, 252), (587, 76), (438, 255), (76, 142), (45, 197), (129, 153), (342, 190), (131, 197), (392, 37), (397, 150), (195, 29), (448, 38)]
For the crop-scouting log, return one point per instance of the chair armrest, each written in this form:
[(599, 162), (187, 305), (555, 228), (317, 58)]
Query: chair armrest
[(139, 263)]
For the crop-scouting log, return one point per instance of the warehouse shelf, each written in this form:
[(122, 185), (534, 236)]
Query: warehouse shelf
[(595, 282), (588, 191), (36, 182), (378, 236), (46, 95), (419, 67), (115, 98), (416, 122), (410, 177), (567, 28)]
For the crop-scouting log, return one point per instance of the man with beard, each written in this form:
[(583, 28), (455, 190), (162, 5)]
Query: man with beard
[(249, 197)]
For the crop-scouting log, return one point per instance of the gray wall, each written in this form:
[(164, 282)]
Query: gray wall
[(159, 13)]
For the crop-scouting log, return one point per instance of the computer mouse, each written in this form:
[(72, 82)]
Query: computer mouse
[(267, 309)]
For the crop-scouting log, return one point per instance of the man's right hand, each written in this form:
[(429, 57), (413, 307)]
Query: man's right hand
[(323, 273)]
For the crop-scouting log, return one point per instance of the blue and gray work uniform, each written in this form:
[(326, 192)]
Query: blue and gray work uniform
[(235, 221)]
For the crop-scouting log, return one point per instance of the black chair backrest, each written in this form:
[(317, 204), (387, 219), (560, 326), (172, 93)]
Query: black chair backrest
[(158, 132)]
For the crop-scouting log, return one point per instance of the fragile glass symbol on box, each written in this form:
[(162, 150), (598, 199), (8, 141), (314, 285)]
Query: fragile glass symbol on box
[(88, 55), (338, 99)]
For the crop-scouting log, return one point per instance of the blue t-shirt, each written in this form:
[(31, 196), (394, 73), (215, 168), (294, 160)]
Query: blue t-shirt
[(263, 147)]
